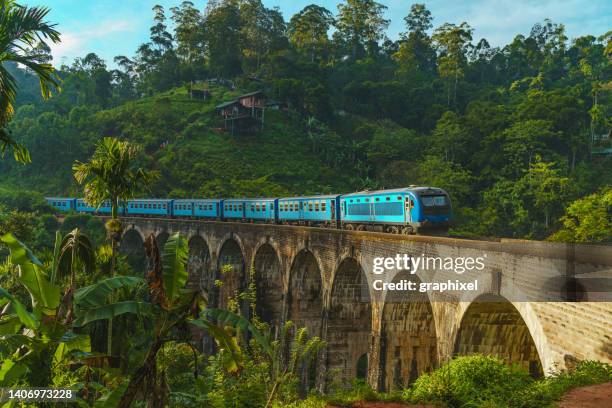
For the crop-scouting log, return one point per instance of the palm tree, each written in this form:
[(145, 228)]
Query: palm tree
[(110, 175), (21, 30)]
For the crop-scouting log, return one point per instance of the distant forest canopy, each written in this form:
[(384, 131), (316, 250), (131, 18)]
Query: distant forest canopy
[(519, 135)]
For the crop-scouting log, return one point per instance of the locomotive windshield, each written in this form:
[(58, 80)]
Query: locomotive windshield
[(434, 201)]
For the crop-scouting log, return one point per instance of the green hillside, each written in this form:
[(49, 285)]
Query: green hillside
[(198, 158)]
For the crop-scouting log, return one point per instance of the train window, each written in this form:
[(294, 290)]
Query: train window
[(377, 198), (399, 198), (256, 207), (316, 206), (388, 198), (310, 206), (323, 206), (263, 207), (367, 200), (351, 201), (240, 207)]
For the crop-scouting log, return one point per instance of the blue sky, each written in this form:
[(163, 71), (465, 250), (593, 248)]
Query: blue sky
[(117, 27)]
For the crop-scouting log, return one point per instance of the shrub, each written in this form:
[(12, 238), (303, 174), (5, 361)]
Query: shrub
[(545, 392), (474, 381)]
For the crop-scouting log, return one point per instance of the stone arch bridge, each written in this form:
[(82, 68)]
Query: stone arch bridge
[(323, 279)]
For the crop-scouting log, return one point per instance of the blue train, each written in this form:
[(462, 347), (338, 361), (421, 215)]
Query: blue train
[(410, 210)]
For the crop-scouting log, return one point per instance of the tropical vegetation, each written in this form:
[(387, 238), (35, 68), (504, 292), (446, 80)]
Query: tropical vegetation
[(517, 133)]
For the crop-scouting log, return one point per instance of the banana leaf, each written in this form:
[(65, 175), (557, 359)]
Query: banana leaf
[(97, 294), (110, 311), (174, 259), (43, 293)]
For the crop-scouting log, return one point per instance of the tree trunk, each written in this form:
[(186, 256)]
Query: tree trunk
[(138, 379), (109, 328)]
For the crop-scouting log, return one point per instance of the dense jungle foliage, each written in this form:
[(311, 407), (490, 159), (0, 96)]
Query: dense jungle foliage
[(517, 134)]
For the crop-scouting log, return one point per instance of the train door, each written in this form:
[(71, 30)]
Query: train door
[(408, 209), (372, 210)]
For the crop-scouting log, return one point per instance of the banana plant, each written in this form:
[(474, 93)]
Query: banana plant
[(169, 307), (36, 337)]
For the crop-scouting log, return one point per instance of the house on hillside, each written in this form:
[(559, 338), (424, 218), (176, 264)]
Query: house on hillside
[(244, 114)]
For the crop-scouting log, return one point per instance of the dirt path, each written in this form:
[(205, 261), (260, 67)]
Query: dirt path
[(368, 404), (591, 396)]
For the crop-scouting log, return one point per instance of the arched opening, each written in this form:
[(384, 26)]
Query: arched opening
[(230, 272), (269, 285), (161, 239), (305, 293), (492, 325), (198, 265), (409, 336), (350, 320), (132, 247)]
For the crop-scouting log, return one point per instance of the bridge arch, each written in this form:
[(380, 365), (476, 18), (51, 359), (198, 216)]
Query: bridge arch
[(199, 264), (349, 324), (409, 345), (490, 324), (230, 272), (161, 239), (305, 293), (269, 284), (132, 246)]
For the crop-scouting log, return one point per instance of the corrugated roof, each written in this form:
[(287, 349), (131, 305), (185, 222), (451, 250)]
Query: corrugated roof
[(226, 104)]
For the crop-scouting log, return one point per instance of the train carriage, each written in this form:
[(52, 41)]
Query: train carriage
[(207, 208), (310, 210), (83, 207), (261, 209), (150, 207), (182, 208), (232, 209), (404, 210), (62, 204)]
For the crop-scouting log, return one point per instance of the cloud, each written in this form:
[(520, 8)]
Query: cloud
[(77, 43)]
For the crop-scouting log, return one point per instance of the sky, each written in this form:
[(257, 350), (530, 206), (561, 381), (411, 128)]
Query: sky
[(117, 27)]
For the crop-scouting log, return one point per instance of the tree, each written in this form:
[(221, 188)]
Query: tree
[(544, 189), (263, 31), (587, 220), (361, 24), (110, 175), (223, 36), (451, 139), (416, 54), (308, 29), (452, 43), (522, 142), (188, 32), (22, 28)]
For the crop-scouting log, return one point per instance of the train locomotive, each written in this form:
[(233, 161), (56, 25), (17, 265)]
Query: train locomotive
[(410, 210)]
